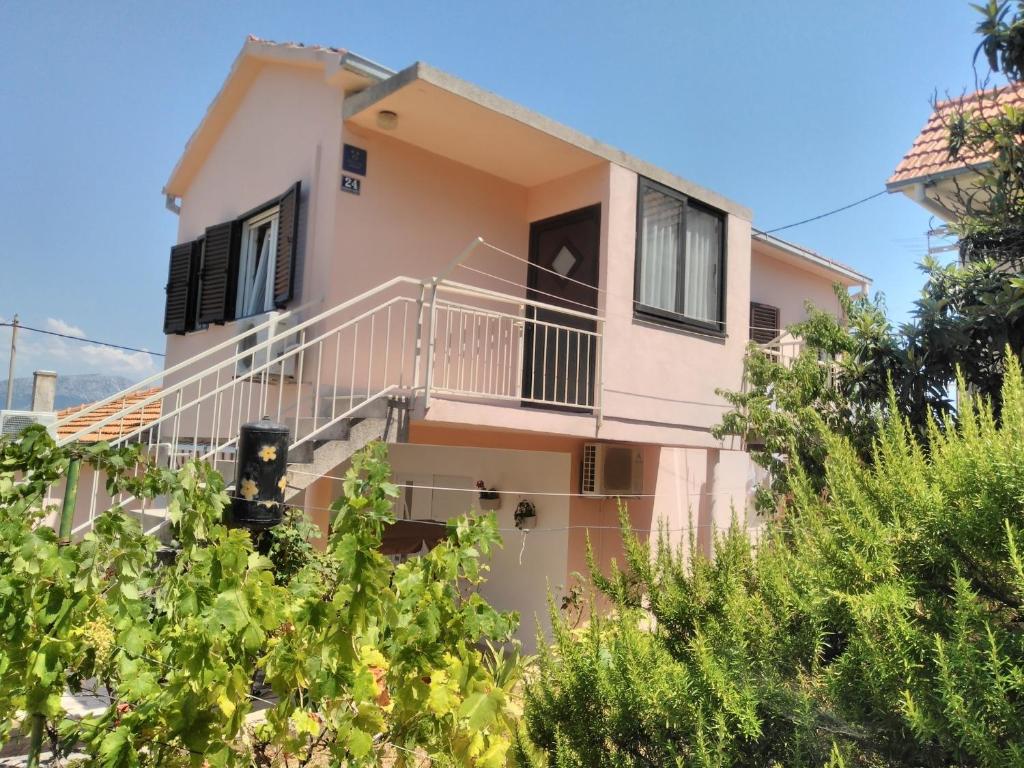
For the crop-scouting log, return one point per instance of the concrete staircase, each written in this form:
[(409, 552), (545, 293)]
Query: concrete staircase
[(386, 420)]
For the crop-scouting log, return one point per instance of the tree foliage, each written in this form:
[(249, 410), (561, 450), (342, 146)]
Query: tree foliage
[(366, 658), (1002, 37)]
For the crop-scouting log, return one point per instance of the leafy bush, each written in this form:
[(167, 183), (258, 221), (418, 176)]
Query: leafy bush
[(366, 658), (877, 624)]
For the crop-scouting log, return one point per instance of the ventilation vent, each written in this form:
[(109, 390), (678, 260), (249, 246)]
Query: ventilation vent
[(764, 322), (589, 467)]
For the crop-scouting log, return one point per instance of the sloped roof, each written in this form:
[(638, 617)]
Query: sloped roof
[(339, 65), (808, 258), (144, 416), (929, 155)]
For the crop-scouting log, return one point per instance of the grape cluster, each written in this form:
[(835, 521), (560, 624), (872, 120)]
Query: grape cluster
[(99, 634)]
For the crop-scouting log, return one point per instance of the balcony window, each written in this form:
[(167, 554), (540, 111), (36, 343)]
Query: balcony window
[(680, 275)]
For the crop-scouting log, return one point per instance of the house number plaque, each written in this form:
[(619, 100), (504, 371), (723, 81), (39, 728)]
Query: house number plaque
[(351, 185)]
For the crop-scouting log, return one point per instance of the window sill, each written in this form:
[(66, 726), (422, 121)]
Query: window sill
[(262, 313), (670, 321)]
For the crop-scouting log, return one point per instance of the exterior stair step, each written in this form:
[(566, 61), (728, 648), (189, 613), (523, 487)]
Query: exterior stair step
[(314, 459), (321, 459)]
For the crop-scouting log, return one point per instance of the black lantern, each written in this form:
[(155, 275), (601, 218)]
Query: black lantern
[(261, 474)]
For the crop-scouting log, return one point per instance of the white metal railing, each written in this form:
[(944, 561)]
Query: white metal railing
[(514, 349), (786, 348), (436, 337)]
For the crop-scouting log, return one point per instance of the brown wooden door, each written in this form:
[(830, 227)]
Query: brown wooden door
[(560, 350)]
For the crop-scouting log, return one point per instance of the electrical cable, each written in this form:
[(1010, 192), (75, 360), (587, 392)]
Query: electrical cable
[(827, 213), (82, 339)]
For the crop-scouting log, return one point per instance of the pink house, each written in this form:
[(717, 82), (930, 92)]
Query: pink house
[(366, 253)]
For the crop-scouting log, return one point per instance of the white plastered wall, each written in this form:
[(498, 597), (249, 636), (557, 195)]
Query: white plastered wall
[(529, 564)]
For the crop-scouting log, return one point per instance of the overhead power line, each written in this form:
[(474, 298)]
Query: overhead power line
[(828, 213), (82, 339)]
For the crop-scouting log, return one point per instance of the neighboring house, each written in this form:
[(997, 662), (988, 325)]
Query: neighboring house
[(927, 174), (364, 253), (132, 411)]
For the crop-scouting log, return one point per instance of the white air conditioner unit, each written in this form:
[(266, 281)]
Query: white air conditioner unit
[(13, 422), (258, 360), (612, 470)]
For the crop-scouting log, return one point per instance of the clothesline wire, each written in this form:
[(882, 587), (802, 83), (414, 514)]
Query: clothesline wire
[(557, 529), (534, 265), (589, 308), (581, 305), (526, 493), (532, 531)]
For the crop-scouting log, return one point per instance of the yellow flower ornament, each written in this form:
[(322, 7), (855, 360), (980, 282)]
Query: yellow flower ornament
[(268, 453), (249, 490)]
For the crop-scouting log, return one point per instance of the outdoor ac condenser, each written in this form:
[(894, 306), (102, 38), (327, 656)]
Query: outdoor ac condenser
[(612, 470), (13, 422), (257, 361)]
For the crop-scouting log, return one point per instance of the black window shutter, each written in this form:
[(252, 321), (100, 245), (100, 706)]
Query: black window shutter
[(181, 285), (287, 242), (764, 322), (220, 273)]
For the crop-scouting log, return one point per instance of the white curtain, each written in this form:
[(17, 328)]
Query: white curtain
[(257, 294), (659, 259), (703, 265)]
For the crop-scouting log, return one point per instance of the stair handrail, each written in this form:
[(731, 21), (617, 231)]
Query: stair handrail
[(267, 365), (246, 353)]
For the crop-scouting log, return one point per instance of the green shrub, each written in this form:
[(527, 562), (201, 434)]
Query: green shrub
[(880, 622)]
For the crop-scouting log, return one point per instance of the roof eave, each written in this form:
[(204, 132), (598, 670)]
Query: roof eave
[(934, 178), (420, 71)]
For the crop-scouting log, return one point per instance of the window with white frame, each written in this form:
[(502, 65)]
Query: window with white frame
[(680, 270), (257, 262)]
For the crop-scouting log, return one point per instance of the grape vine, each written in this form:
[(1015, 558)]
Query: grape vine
[(365, 658)]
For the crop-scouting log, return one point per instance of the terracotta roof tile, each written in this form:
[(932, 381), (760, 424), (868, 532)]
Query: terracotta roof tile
[(929, 154), (131, 421)]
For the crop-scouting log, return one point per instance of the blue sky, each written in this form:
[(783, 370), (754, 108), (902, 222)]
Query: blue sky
[(791, 108)]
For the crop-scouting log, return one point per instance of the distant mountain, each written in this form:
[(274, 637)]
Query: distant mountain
[(73, 389)]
